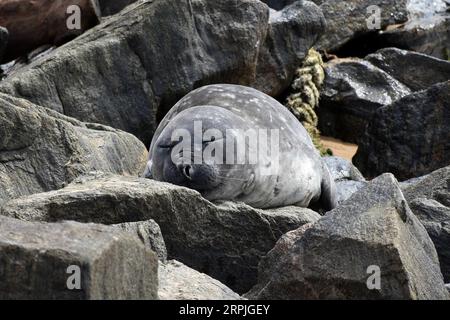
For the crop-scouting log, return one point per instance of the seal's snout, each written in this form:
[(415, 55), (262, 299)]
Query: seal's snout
[(199, 176), (187, 171)]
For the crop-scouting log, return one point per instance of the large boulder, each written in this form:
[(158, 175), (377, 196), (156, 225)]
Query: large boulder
[(73, 261), (374, 233), (429, 199), (225, 240), (350, 19), (415, 70), (130, 70), (291, 33), (410, 137), (32, 24), (353, 90), (179, 282), (42, 150)]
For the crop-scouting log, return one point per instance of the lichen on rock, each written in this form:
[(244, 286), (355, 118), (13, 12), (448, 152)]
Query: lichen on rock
[(305, 96)]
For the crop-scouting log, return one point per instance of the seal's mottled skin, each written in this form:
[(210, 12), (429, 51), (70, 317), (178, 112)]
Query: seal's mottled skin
[(302, 179)]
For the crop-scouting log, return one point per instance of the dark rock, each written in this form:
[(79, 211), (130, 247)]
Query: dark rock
[(347, 20), (32, 24), (346, 176), (415, 70), (35, 260), (110, 7), (429, 199), (179, 282), (353, 90), (410, 137), (225, 241), (3, 42), (149, 233), (130, 70), (331, 259), (291, 33), (42, 150)]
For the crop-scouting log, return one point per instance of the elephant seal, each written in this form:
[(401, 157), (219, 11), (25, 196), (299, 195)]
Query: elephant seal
[(216, 116), (32, 24)]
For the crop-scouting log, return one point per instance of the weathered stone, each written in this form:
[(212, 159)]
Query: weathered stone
[(149, 233), (35, 261), (32, 24), (410, 137), (332, 259), (429, 199), (415, 70), (42, 150), (179, 282), (224, 240), (349, 19), (291, 33), (352, 91)]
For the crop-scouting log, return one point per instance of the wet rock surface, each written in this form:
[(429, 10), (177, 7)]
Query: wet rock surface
[(111, 265), (330, 259)]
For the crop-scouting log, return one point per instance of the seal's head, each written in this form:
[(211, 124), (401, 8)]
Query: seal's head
[(198, 149)]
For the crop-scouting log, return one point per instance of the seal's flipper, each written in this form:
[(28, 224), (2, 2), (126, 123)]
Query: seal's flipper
[(328, 199)]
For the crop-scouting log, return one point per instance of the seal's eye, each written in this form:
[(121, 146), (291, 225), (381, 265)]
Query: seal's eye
[(164, 146)]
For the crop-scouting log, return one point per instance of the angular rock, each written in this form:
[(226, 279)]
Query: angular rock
[(32, 24), (429, 199), (179, 282), (42, 150), (347, 177), (353, 90), (334, 258), (224, 240), (410, 137), (149, 233), (41, 260), (130, 70), (349, 19), (415, 70), (110, 7), (291, 33)]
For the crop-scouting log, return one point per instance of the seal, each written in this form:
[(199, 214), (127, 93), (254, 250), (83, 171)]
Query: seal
[(229, 117)]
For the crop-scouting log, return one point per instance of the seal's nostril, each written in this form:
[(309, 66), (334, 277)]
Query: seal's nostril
[(187, 171)]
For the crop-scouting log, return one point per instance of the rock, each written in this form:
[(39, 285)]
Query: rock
[(149, 233), (32, 24), (337, 257), (352, 91), (130, 70), (415, 70), (179, 282), (110, 7), (291, 33), (429, 199), (448, 287), (40, 260), (41, 150), (418, 131), (346, 176), (347, 20), (3, 42), (224, 240)]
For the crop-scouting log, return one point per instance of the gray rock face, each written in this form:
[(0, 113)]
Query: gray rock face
[(110, 7), (35, 257), (3, 42), (291, 33), (375, 227), (348, 19), (41, 150), (352, 91), (149, 233), (179, 282), (225, 241), (347, 177), (415, 70), (418, 131), (158, 60), (429, 199)]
